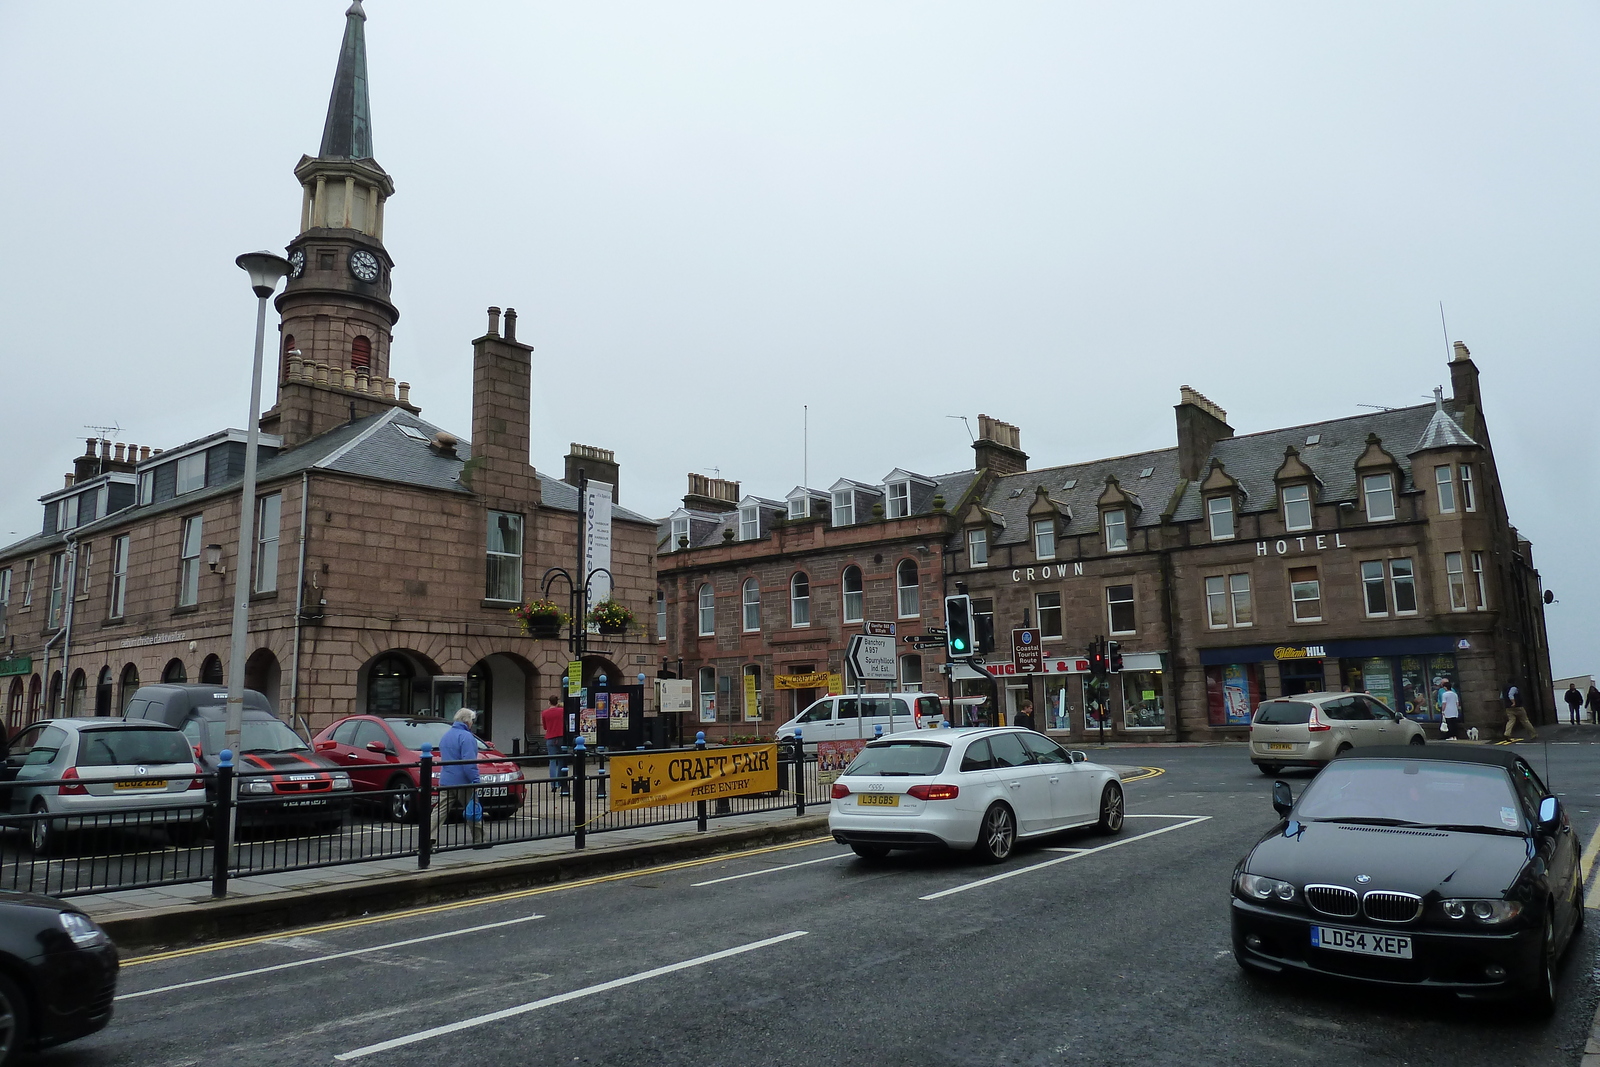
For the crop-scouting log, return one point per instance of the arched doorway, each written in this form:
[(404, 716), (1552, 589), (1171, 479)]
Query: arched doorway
[(174, 671), (102, 692), (261, 673), (78, 694), (503, 689), (52, 704), (35, 695), (211, 670), (128, 686)]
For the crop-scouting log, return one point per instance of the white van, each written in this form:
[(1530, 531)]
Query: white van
[(837, 718)]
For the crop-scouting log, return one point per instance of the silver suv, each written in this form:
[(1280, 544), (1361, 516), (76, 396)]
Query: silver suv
[(125, 773), (1310, 729)]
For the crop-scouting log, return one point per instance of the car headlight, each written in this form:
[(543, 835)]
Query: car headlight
[(82, 929), (257, 785), (1255, 887), (1488, 912), (341, 781)]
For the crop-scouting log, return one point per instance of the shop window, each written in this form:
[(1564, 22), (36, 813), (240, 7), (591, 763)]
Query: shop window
[(1049, 608), (1444, 478), (1142, 706), (1456, 580), (1372, 588), (906, 589), (1479, 580), (1116, 529), (708, 611), (1297, 507), (1403, 583), (1219, 510), (977, 548), (1469, 496), (1377, 490), (1232, 693), (1119, 609), (800, 599), (752, 605), (852, 594), (749, 522), (1044, 539), (1305, 592)]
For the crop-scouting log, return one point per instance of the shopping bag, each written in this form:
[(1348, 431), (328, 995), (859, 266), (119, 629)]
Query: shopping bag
[(473, 812)]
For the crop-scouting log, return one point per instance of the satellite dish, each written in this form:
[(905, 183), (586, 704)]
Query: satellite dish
[(1549, 597)]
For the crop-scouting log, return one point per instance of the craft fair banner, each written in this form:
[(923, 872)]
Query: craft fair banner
[(651, 779)]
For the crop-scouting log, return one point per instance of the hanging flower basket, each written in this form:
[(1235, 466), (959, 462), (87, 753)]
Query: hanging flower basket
[(541, 618), (612, 618)]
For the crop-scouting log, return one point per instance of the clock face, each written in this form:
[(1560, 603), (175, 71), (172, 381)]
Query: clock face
[(364, 265), (297, 263)]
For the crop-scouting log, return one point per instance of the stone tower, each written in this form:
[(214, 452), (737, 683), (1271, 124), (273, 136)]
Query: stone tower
[(337, 319)]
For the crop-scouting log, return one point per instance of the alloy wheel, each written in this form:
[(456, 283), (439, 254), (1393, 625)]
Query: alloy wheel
[(39, 836), (1111, 809), (400, 801), (13, 1020), (998, 835)]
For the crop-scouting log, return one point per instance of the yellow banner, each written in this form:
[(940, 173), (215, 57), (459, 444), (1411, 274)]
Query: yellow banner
[(752, 699), (814, 680), (650, 779), (836, 685)]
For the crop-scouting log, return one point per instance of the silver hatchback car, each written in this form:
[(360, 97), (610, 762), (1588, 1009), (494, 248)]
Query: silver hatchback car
[(1310, 729), (104, 772)]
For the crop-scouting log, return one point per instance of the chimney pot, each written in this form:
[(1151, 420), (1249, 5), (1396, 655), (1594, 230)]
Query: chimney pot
[(120, 452), (144, 453), (89, 449), (350, 378), (1460, 350), (511, 324), (494, 322), (105, 449), (69, 482), (405, 392)]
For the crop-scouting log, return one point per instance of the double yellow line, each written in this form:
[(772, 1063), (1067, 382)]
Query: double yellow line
[(1145, 772)]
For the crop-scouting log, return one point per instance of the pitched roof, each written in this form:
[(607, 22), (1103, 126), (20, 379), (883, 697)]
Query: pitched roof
[(1443, 431)]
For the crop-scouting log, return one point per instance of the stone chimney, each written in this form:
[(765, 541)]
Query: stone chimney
[(599, 465), (502, 387), (1201, 424), (1464, 378), (87, 465), (998, 448), (711, 494)]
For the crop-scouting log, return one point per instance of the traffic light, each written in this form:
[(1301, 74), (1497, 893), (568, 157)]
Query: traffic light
[(958, 626), (983, 634), (1097, 658), (1114, 657)]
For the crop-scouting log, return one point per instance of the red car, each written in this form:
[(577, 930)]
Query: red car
[(375, 750)]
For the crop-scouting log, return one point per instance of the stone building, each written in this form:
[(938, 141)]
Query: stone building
[(387, 552), (1373, 552)]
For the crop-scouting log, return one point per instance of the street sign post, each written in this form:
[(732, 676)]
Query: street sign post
[(880, 629), (1026, 651), (871, 657)]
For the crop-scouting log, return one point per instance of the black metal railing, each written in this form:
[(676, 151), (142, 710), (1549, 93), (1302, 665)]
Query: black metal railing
[(234, 823)]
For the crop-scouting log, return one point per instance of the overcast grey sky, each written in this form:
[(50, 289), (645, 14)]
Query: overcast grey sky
[(708, 215)]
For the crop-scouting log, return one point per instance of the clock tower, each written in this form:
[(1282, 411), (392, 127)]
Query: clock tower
[(333, 352)]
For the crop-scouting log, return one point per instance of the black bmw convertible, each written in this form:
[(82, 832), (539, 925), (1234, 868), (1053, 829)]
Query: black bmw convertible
[(1448, 867)]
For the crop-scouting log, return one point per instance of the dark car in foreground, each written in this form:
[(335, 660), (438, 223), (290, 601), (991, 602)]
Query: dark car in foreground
[(58, 974), (1447, 867)]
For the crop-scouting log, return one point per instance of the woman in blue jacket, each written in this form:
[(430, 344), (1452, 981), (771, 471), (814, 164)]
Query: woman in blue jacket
[(456, 782)]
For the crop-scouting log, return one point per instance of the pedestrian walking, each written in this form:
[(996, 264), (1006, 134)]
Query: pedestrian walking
[(554, 721), (1449, 711), (1515, 714), (1024, 716), (1594, 703), (1574, 701), (456, 781)]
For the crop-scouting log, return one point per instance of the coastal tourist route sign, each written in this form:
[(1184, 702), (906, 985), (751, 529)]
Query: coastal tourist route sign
[(650, 779)]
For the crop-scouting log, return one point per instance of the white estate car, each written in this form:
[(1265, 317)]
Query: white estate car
[(978, 788)]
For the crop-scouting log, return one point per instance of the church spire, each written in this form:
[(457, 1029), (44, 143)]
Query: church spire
[(347, 134)]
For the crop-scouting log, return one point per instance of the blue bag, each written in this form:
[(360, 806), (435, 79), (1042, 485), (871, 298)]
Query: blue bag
[(473, 812)]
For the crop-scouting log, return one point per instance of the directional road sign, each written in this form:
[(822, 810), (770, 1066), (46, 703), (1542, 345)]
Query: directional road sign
[(880, 629), (1026, 652), (871, 657)]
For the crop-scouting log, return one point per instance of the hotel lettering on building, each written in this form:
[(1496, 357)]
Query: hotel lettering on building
[(1372, 552)]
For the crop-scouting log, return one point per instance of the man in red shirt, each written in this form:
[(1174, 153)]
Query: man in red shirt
[(554, 721)]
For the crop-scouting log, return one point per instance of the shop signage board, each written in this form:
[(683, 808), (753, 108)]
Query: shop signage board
[(16, 665), (675, 694), (834, 756), (1026, 651), (871, 658), (880, 629), (651, 779), (1283, 652)]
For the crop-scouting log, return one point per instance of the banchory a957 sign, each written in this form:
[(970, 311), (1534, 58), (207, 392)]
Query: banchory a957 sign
[(650, 779)]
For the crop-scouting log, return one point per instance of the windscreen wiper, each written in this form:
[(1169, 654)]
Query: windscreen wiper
[(1475, 828)]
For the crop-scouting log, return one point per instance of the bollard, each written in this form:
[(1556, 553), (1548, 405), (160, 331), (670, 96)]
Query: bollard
[(799, 773), (877, 731), (424, 809), (580, 795), (222, 824), (700, 805)]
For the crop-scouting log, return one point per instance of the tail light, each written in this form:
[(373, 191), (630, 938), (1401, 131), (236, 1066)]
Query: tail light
[(198, 755), (71, 787), (196, 783), (934, 792), (1316, 725), (840, 790)]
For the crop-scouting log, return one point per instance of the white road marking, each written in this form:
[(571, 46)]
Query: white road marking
[(325, 959), (562, 998), (771, 870), (1063, 859), (1065, 850), (1131, 815)]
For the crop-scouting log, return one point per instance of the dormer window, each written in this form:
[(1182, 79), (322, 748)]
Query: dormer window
[(67, 514), (1044, 539), (977, 548), (680, 533), (147, 486), (749, 522), (899, 505), (1378, 493), (191, 473), (1115, 523), (844, 507), (1219, 513), (800, 507), (1297, 507)]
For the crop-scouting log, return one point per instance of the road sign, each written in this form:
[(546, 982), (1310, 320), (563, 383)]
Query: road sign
[(880, 629), (871, 657), (1026, 651)]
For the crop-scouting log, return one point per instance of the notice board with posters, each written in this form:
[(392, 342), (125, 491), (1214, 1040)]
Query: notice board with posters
[(618, 720)]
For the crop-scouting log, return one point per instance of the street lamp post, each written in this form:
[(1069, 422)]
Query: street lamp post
[(265, 270)]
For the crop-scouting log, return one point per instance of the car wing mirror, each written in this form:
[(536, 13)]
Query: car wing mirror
[(1549, 813), (1078, 757), (377, 746), (1282, 797)]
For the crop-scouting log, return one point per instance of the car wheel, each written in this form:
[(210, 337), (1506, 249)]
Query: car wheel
[(1269, 769), (13, 1020), (1344, 746), (870, 852), (1419, 740), (997, 836), (41, 835), (1111, 809), (399, 803), (1541, 997)]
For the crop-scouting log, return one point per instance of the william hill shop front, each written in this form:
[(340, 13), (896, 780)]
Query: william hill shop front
[(1403, 672)]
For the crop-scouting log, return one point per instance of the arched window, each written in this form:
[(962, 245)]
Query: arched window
[(389, 686), (911, 672), (852, 594), (800, 599), (129, 686), (905, 580), (752, 605), (52, 706), (361, 353), (708, 611), (102, 692), (77, 696), (174, 671), (35, 694), (14, 704), (211, 670)]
